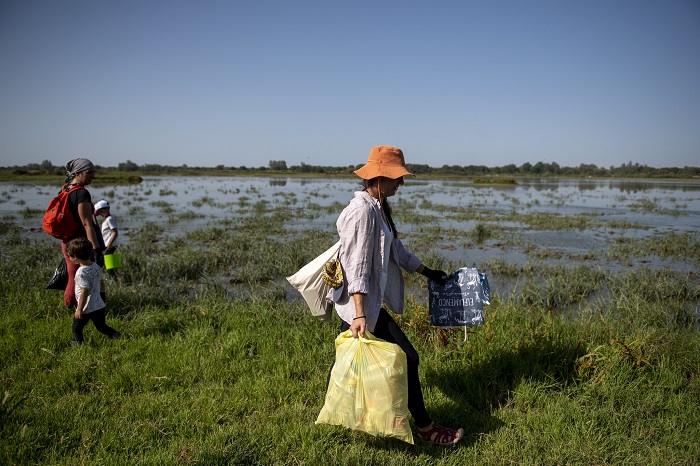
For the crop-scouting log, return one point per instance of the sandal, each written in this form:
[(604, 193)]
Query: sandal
[(441, 435)]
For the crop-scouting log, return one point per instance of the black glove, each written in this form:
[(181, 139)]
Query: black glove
[(100, 257), (437, 276)]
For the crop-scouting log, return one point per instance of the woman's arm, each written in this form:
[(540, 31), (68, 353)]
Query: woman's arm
[(355, 228), (406, 259), (411, 263), (359, 323), (85, 213)]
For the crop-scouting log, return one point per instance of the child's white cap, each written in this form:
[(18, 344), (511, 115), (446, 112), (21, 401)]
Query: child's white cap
[(101, 205)]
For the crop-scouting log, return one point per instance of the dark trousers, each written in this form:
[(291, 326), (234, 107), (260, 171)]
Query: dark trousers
[(96, 317), (387, 329)]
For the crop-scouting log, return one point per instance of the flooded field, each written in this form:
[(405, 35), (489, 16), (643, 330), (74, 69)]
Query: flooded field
[(469, 223), (541, 240)]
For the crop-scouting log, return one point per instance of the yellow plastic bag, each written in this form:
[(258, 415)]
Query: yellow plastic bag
[(368, 388)]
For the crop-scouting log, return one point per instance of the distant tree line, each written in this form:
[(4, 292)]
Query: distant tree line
[(543, 169)]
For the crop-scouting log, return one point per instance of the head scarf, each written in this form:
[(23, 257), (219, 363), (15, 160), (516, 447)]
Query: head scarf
[(76, 166)]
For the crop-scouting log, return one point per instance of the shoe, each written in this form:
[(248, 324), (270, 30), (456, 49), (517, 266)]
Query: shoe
[(116, 336), (440, 435)]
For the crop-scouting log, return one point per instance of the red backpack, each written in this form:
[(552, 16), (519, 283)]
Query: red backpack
[(59, 221)]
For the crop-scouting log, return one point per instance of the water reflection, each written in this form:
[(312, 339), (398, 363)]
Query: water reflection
[(587, 187), (635, 186), (536, 194)]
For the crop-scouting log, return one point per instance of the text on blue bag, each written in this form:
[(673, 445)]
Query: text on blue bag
[(460, 301)]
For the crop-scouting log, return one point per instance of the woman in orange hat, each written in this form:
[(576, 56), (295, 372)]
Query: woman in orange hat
[(372, 255)]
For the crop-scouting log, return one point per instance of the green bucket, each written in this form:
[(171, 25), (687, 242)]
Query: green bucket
[(113, 261)]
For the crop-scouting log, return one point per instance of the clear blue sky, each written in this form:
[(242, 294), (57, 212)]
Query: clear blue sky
[(489, 82)]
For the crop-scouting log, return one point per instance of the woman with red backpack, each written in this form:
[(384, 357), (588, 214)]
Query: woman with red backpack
[(80, 173)]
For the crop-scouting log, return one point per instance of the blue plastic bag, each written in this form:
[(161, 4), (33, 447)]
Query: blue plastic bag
[(460, 300)]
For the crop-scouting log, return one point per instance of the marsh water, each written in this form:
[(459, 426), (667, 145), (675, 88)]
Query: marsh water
[(621, 209), (553, 221)]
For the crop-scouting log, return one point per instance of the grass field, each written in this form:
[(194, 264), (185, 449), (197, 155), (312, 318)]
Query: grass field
[(218, 366)]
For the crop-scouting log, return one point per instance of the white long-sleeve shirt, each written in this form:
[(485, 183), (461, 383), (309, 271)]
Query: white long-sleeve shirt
[(362, 237)]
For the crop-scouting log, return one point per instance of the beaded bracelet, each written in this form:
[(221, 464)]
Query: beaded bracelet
[(359, 317)]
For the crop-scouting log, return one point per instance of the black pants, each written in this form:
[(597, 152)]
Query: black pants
[(387, 329), (96, 317)]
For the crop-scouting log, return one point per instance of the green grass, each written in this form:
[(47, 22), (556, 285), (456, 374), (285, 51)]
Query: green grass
[(669, 245), (217, 365)]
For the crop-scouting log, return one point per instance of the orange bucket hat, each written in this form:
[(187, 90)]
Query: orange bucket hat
[(386, 161)]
